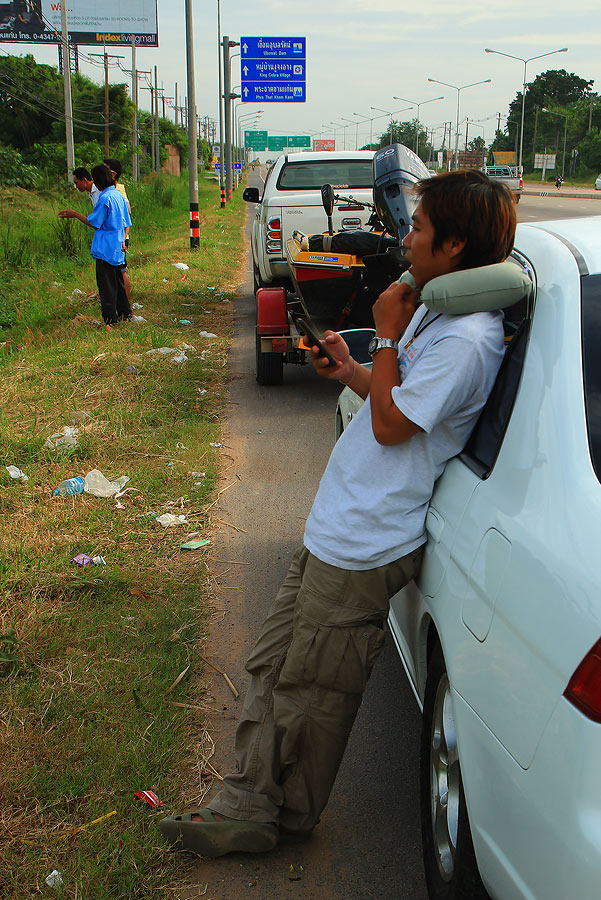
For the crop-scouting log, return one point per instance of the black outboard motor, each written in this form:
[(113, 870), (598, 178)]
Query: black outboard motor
[(396, 171)]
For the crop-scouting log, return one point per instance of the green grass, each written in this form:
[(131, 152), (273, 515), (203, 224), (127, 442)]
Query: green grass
[(87, 654)]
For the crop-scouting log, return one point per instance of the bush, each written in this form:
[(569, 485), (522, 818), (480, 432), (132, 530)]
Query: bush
[(15, 172)]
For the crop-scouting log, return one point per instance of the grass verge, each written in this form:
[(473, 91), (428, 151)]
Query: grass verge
[(87, 655)]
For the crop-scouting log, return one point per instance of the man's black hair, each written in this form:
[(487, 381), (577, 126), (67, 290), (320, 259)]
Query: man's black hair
[(115, 166), (82, 174), (102, 177)]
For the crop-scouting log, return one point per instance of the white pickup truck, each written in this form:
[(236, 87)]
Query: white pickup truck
[(509, 175), (291, 201)]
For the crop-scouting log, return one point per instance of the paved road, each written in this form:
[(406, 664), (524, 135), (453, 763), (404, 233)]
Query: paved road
[(278, 439)]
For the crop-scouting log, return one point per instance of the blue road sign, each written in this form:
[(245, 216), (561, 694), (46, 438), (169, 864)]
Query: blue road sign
[(286, 92), (273, 48), (271, 70), (238, 166)]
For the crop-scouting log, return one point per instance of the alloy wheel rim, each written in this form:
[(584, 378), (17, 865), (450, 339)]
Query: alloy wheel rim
[(444, 781)]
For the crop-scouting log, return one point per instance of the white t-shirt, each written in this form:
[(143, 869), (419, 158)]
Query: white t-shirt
[(94, 194), (372, 501)]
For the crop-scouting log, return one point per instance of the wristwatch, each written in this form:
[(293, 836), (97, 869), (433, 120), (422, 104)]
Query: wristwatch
[(377, 343)]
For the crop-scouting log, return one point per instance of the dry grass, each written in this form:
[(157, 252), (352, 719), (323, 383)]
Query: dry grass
[(86, 714)]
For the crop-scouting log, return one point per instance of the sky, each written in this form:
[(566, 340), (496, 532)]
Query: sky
[(362, 53)]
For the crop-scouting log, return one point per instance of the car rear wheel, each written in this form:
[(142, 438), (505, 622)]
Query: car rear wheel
[(269, 366), (449, 859)]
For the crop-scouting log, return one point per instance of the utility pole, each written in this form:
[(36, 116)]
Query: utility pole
[(534, 138), (192, 146), (157, 152), (135, 162), (67, 93), (221, 154), (227, 105), (175, 103), (106, 56)]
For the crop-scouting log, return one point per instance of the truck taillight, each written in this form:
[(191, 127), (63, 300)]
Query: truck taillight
[(584, 688), (273, 236), (521, 183)]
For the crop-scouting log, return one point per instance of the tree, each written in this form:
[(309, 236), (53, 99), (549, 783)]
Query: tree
[(405, 133), (476, 144), (549, 97)]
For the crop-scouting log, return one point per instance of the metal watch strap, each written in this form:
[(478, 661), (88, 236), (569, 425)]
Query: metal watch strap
[(378, 343)]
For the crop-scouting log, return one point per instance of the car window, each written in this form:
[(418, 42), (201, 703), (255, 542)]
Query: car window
[(483, 447), (591, 362), (340, 173)]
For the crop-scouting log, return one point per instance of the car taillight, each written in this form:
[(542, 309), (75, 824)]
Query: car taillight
[(584, 688), (273, 237)]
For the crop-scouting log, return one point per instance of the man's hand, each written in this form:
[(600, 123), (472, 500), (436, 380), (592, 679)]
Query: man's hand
[(394, 309), (67, 214), (338, 348)]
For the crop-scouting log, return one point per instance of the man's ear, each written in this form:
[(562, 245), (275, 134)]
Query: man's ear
[(453, 248)]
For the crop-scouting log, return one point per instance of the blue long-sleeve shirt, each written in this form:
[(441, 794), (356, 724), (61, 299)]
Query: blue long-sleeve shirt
[(109, 218)]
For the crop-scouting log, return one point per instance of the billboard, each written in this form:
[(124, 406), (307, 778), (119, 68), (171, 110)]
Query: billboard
[(88, 21), (324, 145)]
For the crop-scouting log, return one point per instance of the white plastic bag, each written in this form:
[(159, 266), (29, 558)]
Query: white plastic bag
[(168, 519), (63, 439), (98, 486), (15, 472)]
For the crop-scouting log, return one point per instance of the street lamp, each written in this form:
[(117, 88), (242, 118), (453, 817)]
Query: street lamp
[(422, 103), (458, 89), (525, 61), (356, 124), (370, 120), (391, 114), (469, 122), (565, 134)]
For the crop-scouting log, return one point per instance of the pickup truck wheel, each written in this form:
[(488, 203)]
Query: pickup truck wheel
[(269, 366), (449, 859)]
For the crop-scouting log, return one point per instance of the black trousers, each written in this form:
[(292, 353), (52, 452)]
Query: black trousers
[(113, 299)]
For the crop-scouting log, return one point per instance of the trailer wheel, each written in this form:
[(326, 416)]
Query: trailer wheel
[(269, 366)]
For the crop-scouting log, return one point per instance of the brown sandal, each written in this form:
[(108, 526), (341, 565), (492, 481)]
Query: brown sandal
[(208, 836)]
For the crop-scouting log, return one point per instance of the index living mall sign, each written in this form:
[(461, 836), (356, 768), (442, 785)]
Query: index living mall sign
[(273, 69), (89, 21)]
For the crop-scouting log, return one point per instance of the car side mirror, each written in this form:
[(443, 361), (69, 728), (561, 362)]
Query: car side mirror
[(251, 195), (327, 198), (358, 341)]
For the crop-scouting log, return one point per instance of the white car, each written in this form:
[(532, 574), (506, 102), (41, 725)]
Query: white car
[(501, 635), (291, 201), (598, 183)]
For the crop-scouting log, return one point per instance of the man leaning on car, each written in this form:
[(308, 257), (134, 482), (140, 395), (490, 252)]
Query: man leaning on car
[(364, 536)]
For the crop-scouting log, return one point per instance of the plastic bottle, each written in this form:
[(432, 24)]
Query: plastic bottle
[(69, 487)]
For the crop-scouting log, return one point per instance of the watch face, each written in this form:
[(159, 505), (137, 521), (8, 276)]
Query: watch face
[(372, 346)]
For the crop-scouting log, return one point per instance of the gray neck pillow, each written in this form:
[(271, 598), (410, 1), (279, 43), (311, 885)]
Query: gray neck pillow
[(474, 290)]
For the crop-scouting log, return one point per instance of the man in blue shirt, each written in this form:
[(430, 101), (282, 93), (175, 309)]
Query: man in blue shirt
[(109, 219)]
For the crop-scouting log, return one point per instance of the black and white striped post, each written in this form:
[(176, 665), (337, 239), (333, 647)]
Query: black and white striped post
[(192, 145)]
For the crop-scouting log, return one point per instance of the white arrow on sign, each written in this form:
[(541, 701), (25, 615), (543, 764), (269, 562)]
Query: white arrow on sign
[(245, 70), (245, 47), (246, 92)]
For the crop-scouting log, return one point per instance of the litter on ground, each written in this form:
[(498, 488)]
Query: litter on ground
[(16, 473), (138, 320), (82, 560), (206, 334), (181, 266), (55, 879), (149, 797), (62, 440), (194, 545), (97, 485), (137, 306), (168, 519)]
